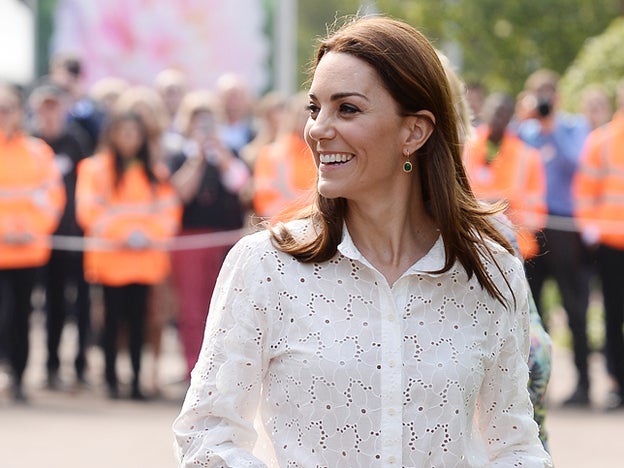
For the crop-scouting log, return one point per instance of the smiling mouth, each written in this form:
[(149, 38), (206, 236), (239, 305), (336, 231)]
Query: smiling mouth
[(335, 158)]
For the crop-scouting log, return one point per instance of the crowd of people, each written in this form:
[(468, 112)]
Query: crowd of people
[(537, 157), (122, 202)]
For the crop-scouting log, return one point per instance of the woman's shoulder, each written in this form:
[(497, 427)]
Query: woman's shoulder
[(255, 240), (302, 230), (97, 162), (254, 255), (262, 248), (263, 239), (501, 260)]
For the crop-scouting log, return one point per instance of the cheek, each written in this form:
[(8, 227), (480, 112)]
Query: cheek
[(310, 141), (306, 133)]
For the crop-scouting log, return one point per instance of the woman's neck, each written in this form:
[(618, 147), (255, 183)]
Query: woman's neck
[(391, 239)]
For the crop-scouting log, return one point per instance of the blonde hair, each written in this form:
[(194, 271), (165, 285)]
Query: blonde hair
[(460, 103), (199, 100), (108, 89)]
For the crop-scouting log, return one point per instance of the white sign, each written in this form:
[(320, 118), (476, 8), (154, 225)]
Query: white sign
[(17, 56)]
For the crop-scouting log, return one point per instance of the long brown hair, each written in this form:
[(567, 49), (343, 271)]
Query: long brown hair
[(411, 71), (143, 153)]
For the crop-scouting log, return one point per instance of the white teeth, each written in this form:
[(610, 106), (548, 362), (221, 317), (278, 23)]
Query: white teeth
[(334, 158)]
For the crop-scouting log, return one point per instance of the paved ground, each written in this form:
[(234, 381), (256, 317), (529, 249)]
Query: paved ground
[(83, 429)]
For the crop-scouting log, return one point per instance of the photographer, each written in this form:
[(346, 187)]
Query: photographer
[(208, 178), (562, 255)]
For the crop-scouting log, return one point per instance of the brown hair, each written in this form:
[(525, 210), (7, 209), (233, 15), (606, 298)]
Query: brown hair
[(412, 73), (143, 153)]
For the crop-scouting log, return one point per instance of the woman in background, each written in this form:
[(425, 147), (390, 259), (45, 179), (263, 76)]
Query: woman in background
[(208, 178), (129, 211)]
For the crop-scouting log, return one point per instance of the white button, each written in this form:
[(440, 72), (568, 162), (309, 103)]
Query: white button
[(392, 363), (392, 412), (392, 459), (391, 317)]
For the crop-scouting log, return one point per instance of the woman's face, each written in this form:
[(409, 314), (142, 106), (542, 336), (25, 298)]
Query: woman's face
[(202, 126), (354, 130), (127, 138)]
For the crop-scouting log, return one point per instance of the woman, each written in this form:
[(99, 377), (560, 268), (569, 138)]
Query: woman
[(388, 325), (208, 179), (129, 212), (161, 304)]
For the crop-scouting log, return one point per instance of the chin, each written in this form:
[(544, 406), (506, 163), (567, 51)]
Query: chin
[(327, 191)]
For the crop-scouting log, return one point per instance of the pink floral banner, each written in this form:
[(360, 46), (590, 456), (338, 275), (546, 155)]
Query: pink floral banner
[(135, 39)]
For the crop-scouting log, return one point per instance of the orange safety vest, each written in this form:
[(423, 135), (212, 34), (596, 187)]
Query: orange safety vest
[(284, 171), (598, 185), (109, 215), (32, 200), (517, 176)]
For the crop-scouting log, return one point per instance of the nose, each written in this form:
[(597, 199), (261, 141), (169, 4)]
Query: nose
[(320, 128)]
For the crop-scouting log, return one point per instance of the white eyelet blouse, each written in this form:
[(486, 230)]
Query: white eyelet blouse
[(347, 371)]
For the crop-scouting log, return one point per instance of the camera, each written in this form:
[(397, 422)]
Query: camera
[(544, 107)]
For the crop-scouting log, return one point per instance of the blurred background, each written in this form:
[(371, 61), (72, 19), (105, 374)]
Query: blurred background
[(269, 43)]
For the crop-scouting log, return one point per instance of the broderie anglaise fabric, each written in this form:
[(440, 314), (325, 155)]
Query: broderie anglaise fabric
[(430, 372)]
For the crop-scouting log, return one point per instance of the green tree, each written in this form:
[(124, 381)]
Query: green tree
[(44, 11), (501, 43), (600, 61), (315, 18), (497, 43)]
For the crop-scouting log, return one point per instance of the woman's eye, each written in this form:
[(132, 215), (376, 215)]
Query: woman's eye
[(348, 109), (313, 109)]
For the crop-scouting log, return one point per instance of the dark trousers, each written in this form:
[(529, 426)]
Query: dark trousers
[(564, 257), (64, 270), (16, 286), (124, 304), (611, 270)]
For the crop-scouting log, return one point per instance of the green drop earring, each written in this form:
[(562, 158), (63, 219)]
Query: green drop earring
[(407, 165)]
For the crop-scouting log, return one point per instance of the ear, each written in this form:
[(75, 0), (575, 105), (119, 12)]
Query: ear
[(420, 127)]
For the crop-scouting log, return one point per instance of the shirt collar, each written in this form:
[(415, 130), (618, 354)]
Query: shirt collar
[(432, 261)]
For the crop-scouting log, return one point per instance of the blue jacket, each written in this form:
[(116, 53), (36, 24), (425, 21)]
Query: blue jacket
[(560, 152)]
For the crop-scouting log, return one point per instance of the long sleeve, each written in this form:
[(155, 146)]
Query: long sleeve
[(504, 411), (215, 426)]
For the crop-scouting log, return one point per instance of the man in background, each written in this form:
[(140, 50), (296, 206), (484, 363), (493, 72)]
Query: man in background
[(562, 255)]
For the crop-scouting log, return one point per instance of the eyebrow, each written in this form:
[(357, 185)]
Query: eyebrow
[(336, 96)]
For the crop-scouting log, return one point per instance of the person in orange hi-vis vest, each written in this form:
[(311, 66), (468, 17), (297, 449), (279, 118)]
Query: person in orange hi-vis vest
[(598, 194), (502, 167), (284, 171), (129, 212), (32, 199)]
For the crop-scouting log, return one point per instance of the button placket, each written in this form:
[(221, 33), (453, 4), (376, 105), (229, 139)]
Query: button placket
[(391, 375)]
